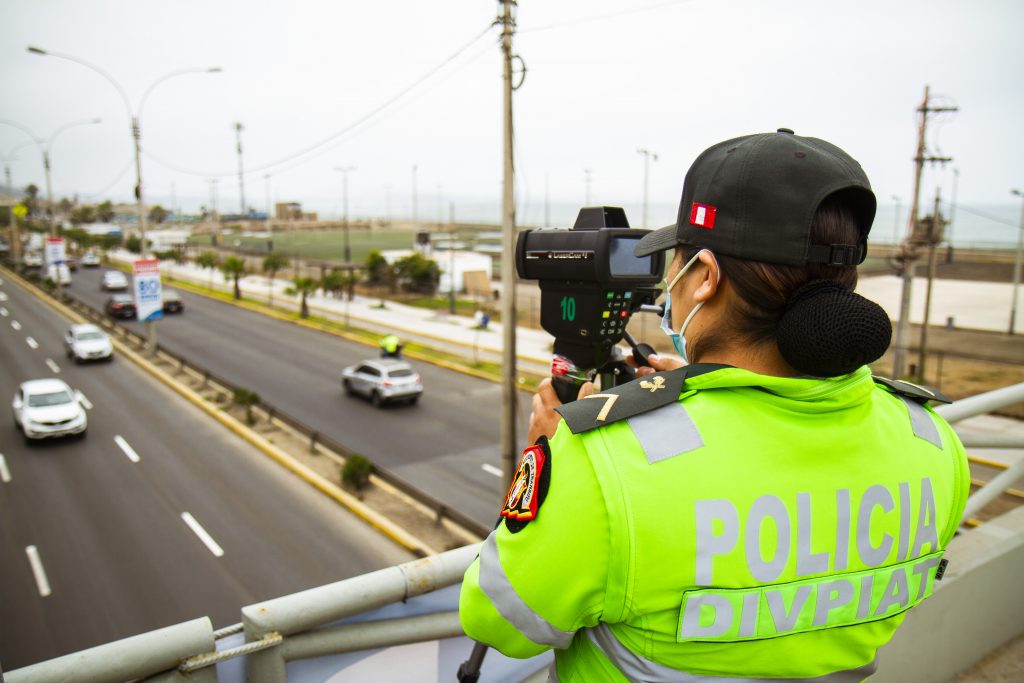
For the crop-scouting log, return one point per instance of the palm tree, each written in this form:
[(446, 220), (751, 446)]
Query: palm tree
[(234, 268), (303, 286), (208, 259), (272, 263)]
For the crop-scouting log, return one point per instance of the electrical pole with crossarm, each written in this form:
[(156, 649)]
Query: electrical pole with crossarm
[(908, 251)]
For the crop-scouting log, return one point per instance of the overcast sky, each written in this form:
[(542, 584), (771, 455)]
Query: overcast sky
[(603, 79)]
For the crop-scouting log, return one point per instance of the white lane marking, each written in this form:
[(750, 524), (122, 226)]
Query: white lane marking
[(53, 366), (199, 531), (3, 311), (42, 583), (32, 343), (3, 297), (85, 402), (15, 324), (5, 474), (128, 450), (491, 469)]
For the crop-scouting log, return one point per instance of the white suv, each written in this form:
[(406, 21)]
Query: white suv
[(48, 408)]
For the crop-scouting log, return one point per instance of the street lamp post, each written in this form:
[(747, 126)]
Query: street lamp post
[(13, 223), (136, 129), (648, 156), (46, 145), (1017, 263), (344, 170)]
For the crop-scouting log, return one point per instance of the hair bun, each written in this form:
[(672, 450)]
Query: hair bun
[(828, 330)]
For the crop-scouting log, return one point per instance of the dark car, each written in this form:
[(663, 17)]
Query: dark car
[(172, 301), (120, 306)]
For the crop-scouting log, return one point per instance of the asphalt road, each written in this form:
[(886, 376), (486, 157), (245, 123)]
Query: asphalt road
[(447, 444), (111, 540)]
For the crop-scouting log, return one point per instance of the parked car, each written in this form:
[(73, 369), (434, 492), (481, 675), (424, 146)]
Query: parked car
[(48, 408), (90, 259), (172, 301), (383, 380), (120, 306), (114, 280), (59, 272), (88, 342), (72, 263)]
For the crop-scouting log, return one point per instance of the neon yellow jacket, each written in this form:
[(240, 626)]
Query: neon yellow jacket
[(757, 527)]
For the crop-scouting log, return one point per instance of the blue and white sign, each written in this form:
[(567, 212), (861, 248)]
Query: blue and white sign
[(149, 301)]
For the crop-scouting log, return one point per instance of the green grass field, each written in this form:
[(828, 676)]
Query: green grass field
[(321, 244)]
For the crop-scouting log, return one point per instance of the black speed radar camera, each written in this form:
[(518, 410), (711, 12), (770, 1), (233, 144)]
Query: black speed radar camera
[(590, 284)]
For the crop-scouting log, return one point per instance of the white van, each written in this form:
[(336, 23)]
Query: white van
[(59, 270)]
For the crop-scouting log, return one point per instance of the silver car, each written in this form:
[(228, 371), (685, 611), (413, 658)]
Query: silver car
[(48, 408), (114, 280), (383, 380), (88, 342)]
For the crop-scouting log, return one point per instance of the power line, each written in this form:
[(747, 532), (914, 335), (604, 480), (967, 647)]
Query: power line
[(347, 129), (982, 214)]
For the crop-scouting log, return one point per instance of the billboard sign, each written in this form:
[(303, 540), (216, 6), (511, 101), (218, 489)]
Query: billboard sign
[(54, 251), (149, 304)]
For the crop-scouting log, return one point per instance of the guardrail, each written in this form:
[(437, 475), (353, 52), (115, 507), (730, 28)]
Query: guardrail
[(316, 438)]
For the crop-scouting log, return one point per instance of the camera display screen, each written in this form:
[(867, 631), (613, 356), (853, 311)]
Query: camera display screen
[(622, 262)]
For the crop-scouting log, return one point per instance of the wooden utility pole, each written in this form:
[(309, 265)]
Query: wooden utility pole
[(908, 251), (933, 236), (508, 447)]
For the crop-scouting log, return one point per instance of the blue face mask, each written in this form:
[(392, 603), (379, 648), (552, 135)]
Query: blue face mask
[(678, 338)]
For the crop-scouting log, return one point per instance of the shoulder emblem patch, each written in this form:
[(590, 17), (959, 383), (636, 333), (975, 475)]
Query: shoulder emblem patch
[(529, 487), (915, 391)]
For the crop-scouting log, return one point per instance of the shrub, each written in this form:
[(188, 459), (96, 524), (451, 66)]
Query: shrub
[(247, 399), (356, 472)]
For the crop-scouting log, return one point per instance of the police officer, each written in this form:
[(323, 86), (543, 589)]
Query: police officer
[(390, 347), (767, 510)]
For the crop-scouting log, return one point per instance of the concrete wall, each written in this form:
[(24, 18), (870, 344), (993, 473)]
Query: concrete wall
[(977, 607)]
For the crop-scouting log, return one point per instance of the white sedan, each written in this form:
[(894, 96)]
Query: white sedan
[(88, 342), (114, 280), (48, 408)]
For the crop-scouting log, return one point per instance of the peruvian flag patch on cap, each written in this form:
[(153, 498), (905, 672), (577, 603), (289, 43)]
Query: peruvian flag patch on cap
[(703, 216)]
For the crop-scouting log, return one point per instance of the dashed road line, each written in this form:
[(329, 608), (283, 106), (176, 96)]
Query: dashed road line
[(42, 583), (199, 531), (16, 325), (32, 343), (3, 296), (4, 312), (5, 474), (128, 450), (53, 366), (85, 401), (491, 469)]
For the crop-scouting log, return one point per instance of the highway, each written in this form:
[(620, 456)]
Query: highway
[(159, 515), (446, 445)]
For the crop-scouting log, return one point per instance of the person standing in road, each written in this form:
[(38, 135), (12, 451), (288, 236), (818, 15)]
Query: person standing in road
[(765, 509)]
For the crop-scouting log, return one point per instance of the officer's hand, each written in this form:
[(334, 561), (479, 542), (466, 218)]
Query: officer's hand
[(543, 418), (658, 363)]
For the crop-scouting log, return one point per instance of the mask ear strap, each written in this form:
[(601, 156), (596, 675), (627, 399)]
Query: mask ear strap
[(682, 271)]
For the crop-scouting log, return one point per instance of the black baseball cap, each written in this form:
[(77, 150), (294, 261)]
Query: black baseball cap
[(754, 198)]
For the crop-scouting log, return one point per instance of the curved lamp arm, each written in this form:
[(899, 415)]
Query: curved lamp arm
[(120, 90)]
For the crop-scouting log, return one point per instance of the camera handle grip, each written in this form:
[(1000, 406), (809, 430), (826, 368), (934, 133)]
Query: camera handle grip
[(567, 389), (640, 350)]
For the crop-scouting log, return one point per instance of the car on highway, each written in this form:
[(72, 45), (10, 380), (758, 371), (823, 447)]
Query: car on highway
[(47, 409), (172, 301), (58, 272), (90, 259), (72, 263), (32, 259), (88, 342), (114, 280), (383, 380), (120, 306)]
